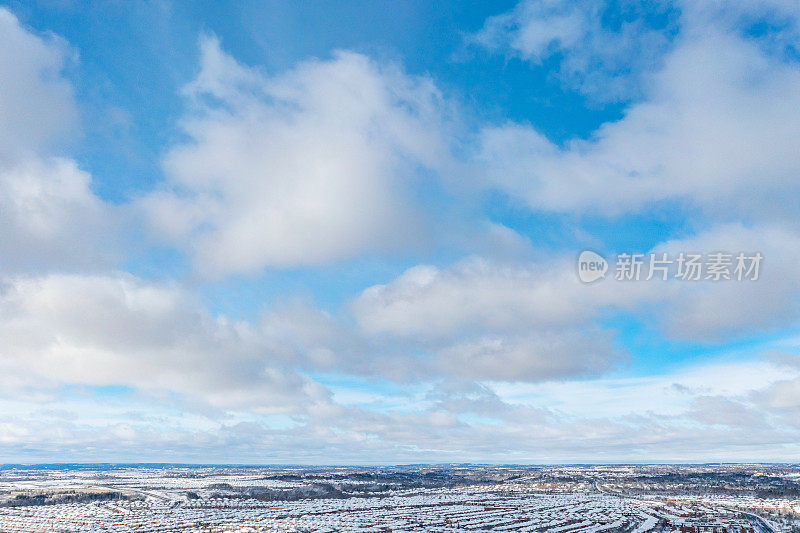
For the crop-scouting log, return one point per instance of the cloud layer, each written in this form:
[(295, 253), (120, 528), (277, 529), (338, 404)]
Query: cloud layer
[(489, 348), (302, 168), (116, 330), (715, 132)]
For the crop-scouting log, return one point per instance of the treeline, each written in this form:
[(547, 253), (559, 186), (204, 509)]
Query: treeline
[(26, 500), (313, 491), (348, 485), (400, 479), (784, 489)]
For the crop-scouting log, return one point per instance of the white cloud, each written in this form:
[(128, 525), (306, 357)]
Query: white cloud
[(482, 319), (536, 321), (37, 108), (480, 295), (721, 411), (644, 418), (119, 330), (305, 167), (717, 130), (668, 393), (719, 311), (49, 216), (531, 357), (601, 48)]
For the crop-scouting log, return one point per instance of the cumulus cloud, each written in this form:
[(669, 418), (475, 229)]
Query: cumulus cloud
[(119, 330), (478, 294), (37, 107), (301, 168), (713, 133), (51, 219), (484, 319), (715, 130), (529, 321), (715, 312), (49, 216), (601, 48)]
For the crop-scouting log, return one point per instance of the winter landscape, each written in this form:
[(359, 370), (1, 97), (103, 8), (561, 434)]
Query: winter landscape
[(542, 253), (562, 499)]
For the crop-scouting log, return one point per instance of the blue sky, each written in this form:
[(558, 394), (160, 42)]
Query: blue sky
[(324, 232)]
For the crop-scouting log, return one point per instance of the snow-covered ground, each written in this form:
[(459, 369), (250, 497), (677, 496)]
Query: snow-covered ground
[(554, 500)]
